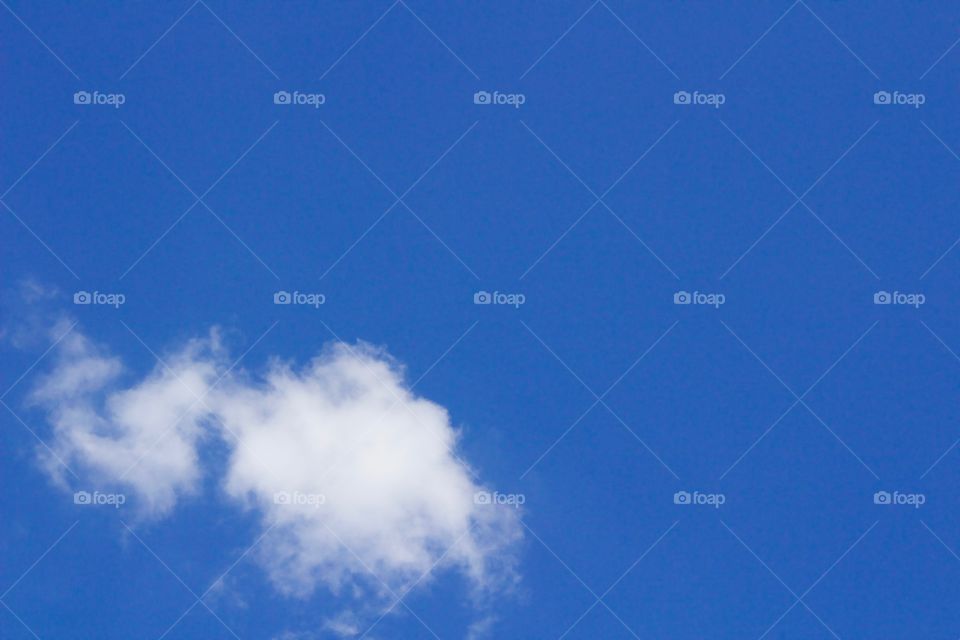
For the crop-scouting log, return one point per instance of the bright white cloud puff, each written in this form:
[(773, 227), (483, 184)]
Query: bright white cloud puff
[(351, 473)]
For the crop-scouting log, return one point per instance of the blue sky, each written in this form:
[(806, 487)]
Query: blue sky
[(787, 397)]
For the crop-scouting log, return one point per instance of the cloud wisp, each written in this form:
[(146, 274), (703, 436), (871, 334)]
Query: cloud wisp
[(354, 477)]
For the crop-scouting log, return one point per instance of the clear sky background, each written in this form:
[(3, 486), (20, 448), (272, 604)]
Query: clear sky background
[(597, 400)]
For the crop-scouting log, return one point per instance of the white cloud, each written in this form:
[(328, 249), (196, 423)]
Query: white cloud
[(368, 481), (142, 437)]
